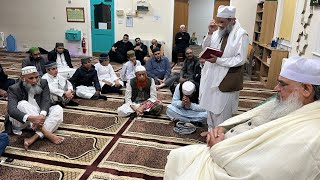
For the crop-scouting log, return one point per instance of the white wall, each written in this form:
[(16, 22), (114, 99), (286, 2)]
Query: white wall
[(145, 27), (246, 14), (41, 23), (200, 14)]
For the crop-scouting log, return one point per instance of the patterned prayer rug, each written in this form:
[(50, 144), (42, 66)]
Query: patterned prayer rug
[(145, 157), (100, 176), (161, 130), (92, 121), (18, 169), (109, 106), (77, 148)]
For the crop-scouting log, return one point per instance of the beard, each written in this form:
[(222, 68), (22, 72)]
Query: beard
[(142, 83), (279, 108), (225, 31), (33, 89)]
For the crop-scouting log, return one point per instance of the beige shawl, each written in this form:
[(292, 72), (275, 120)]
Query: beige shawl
[(286, 148)]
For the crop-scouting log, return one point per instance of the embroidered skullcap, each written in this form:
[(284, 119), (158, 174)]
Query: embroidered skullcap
[(59, 44), (28, 70), (34, 49), (302, 70), (50, 64), (131, 53), (85, 60), (156, 49), (226, 12), (140, 69), (188, 88), (104, 57)]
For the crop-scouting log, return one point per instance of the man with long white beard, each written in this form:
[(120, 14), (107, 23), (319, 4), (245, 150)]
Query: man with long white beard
[(29, 107), (222, 77), (277, 140), (141, 95)]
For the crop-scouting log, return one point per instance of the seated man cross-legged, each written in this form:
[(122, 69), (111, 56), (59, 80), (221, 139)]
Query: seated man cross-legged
[(29, 107), (141, 96), (85, 81), (185, 105), (276, 140), (61, 90)]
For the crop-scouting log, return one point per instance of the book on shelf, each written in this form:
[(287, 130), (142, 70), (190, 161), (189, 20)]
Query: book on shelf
[(205, 54)]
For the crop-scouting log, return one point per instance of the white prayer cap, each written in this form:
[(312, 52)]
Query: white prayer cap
[(182, 26), (226, 12), (140, 68), (28, 70), (188, 88), (302, 70)]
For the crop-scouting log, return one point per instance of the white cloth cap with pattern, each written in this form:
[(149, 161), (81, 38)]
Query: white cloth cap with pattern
[(226, 12), (302, 70), (28, 70), (140, 68), (188, 88)]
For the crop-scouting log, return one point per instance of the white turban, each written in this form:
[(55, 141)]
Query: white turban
[(140, 68), (28, 70), (188, 88), (226, 12), (302, 70)]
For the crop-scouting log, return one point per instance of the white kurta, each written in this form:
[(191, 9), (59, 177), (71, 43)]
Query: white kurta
[(128, 70), (63, 68), (106, 73), (285, 148), (85, 92), (57, 85), (125, 109), (52, 122), (235, 53)]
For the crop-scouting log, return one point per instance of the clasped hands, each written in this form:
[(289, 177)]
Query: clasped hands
[(37, 121), (139, 110), (68, 94), (215, 135), (186, 102)]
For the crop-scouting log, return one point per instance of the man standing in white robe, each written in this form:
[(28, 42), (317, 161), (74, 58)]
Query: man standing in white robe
[(29, 106), (234, 41), (277, 140)]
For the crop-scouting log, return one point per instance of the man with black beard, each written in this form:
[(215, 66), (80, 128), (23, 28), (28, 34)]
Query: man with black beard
[(118, 52), (35, 59), (141, 51), (141, 96), (276, 140), (29, 107), (61, 56)]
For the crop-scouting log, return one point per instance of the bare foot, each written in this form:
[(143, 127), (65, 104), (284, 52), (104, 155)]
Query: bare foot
[(29, 141), (55, 139)]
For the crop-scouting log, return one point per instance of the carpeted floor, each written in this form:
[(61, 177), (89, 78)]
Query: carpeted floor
[(100, 145)]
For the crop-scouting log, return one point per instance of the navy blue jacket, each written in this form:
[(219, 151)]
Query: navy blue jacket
[(85, 77)]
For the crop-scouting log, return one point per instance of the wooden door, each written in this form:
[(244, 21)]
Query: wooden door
[(181, 12), (217, 3)]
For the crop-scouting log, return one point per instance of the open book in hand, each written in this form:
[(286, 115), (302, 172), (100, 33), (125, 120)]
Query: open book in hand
[(205, 54)]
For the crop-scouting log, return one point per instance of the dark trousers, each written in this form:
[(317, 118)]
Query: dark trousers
[(117, 57), (4, 141), (175, 51), (110, 89), (5, 85)]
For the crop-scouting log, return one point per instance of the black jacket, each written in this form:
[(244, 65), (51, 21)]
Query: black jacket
[(141, 54), (182, 40), (85, 77), (52, 56)]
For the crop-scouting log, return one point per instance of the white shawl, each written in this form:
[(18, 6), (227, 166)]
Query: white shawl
[(286, 148)]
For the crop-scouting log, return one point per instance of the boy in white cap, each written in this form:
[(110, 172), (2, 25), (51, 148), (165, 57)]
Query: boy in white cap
[(141, 95), (61, 90), (29, 107), (277, 140), (185, 104), (222, 77)]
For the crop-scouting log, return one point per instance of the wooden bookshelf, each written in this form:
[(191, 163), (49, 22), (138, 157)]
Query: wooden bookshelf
[(268, 72), (265, 21)]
